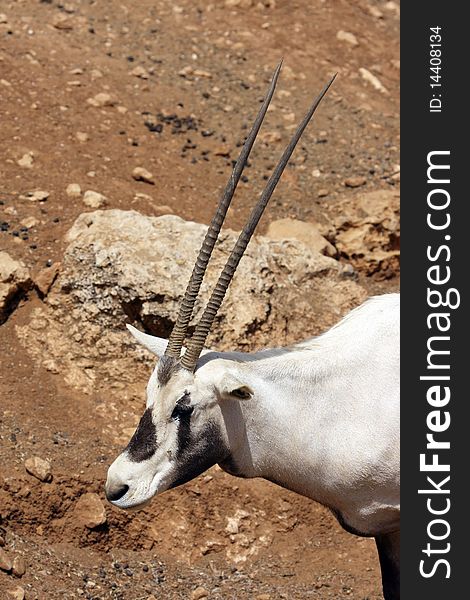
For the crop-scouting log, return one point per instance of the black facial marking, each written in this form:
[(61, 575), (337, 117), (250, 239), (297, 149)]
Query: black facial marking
[(167, 366), (197, 455), (143, 443)]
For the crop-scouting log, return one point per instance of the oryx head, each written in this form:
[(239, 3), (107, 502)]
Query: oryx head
[(191, 393)]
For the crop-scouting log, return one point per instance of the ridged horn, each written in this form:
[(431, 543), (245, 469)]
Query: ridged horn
[(178, 333), (201, 332)]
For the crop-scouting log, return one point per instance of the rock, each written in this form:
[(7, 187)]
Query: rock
[(269, 137), (139, 71), (354, 182), (323, 193), (73, 190), (141, 174), (29, 222), (19, 566), (14, 281), (348, 37), (375, 12), (26, 161), (263, 597), (90, 511), (6, 564), (162, 209), (39, 468), (368, 232), (46, 277), (373, 80), (39, 196), (121, 266), (62, 22), (3, 19), (307, 233), (17, 594), (82, 136), (94, 199), (199, 593), (101, 100)]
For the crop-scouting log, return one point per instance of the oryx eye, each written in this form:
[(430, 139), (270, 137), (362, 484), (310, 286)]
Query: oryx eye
[(182, 408)]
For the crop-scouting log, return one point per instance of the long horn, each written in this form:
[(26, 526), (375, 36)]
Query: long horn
[(197, 341), (187, 305)]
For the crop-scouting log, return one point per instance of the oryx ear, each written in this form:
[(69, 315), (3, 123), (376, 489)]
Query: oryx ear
[(231, 387), (155, 344)]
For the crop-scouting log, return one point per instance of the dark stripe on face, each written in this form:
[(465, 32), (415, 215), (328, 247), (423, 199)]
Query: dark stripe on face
[(197, 455), (143, 443), (167, 366)]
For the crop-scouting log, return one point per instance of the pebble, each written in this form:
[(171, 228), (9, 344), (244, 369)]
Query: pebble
[(162, 209), (373, 80), (90, 511), (322, 193), (19, 566), (348, 37), (29, 222), (82, 136), (26, 161), (6, 563), (39, 196), (140, 72), (96, 74), (199, 593), (94, 199), (354, 182), (17, 594), (73, 190), (46, 278), (141, 174), (39, 468), (3, 18), (101, 100)]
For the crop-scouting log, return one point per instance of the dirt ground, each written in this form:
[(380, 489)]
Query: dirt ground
[(184, 81)]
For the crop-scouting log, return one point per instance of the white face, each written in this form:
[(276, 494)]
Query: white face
[(180, 435)]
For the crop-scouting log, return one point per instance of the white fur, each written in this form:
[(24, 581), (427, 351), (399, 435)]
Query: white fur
[(322, 417)]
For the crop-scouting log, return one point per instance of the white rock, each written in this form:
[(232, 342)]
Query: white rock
[(26, 161), (94, 199), (282, 292), (348, 37), (373, 80), (101, 100), (140, 72), (39, 468), (73, 190), (141, 174)]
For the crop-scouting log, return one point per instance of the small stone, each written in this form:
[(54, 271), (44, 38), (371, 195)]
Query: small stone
[(29, 222), (19, 566), (141, 174), (46, 277), (39, 468), (73, 190), (82, 136), (162, 209), (96, 74), (199, 593), (222, 151), (3, 18), (141, 196), (94, 199), (17, 594), (6, 563), (348, 37), (101, 100), (39, 196), (202, 73), (62, 22), (90, 511), (10, 210), (26, 161), (14, 280), (373, 80), (322, 193), (140, 72), (263, 597), (354, 182), (270, 137), (376, 12), (307, 233)]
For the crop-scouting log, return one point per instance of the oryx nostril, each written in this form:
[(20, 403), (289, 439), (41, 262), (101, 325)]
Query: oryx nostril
[(117, 493)]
